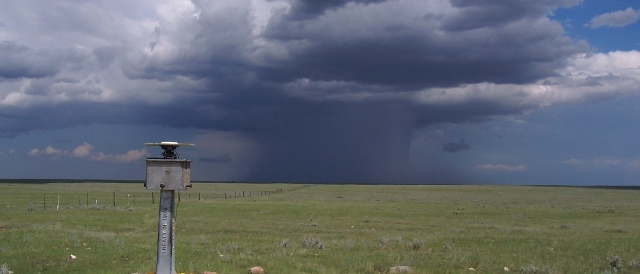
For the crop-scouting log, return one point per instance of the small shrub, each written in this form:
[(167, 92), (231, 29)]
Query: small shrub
[(531, 269), (284, 243), (4, 269), (446, 248), (416, 244), (383, 242), (380, 268), (312, 243), (226, 259), (617, 230), (96, 207), (615, 262)]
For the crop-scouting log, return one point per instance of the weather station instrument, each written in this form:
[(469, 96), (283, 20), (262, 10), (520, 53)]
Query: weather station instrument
[(167, 174)]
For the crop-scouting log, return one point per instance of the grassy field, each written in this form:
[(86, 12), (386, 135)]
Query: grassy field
[(322, 229)]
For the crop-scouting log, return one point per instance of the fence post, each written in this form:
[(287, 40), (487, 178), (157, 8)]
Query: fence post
[(198, 196), (44, 201), (114, 199), (87, 199), (153, 201)]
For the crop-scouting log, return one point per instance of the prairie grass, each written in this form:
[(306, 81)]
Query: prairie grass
[(324, 229)]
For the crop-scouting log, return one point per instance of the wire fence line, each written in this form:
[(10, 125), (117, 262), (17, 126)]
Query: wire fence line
[(64, 200)]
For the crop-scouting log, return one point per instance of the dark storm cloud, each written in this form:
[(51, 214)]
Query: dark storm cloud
[(18, 61), (453, 147), (492, 13), (412, 53), (308, 9), (329, 90)]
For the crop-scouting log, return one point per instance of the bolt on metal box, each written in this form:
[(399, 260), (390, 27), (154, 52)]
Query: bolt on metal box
[(168, 174)]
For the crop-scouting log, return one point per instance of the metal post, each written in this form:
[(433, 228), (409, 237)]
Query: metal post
[(168, 174), (166, 228)]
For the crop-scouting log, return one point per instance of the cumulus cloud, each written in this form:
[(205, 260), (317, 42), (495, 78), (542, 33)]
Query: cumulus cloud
[(315, 90), (52, 151), (131, 155), (85, 151), (49, 150), (615, 19)]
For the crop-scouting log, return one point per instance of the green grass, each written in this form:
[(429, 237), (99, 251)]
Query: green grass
[(323, 228)]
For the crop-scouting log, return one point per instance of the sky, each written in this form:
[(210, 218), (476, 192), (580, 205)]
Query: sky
[(366, 91)]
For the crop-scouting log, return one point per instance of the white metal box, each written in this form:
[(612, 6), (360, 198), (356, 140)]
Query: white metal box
[(168, 174)]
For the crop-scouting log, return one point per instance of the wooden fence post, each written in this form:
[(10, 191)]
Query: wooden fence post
[(114, 199), (153, 201)]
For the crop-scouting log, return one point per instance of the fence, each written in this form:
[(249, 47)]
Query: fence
[(61, 200)]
